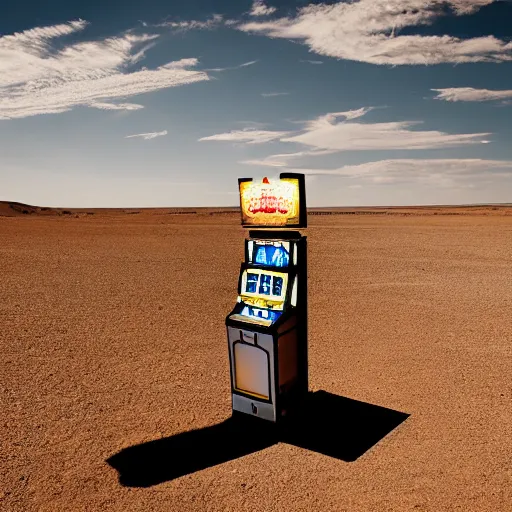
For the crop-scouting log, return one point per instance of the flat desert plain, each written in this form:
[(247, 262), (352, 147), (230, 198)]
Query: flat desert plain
[(112, 336)]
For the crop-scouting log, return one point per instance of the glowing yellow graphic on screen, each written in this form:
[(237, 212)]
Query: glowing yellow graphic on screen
[(268, 203)]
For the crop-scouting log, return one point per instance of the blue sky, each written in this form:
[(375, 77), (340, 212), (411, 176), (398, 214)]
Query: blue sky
[(378, 102)]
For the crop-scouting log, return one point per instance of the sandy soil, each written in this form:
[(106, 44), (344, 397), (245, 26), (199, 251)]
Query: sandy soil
[(112, 335)]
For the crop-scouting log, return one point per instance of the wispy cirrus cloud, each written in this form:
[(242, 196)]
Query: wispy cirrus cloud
[(248, 136), (339, 131), (470, 94), (243, 65), (326, 132), (147, 136), (259, 8), (368, 31), (270, 161), (116, 106), (332, 117), (317, 62), (272, 94), (250, 63), (438, 172), (37, 77), (213, 22)]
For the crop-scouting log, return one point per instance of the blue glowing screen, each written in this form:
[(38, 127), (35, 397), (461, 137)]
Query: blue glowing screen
[(271, 255), (266, 314), (252, 283), (268, 285)]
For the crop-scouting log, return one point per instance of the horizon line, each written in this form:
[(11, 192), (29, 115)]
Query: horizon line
[(452, 205)]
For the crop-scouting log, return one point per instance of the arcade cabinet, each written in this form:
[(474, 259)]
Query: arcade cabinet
[(267, 329)]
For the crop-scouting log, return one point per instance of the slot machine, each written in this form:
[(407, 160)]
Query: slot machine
[(267, 328)]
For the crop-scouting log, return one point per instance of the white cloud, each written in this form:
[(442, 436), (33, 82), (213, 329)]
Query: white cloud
[(38, 78), (272, 94), (468, 6), (330, 119), (265, 162), (328, 134), (259, 8), (244, 65), (213, 22), (147, 136), (367, 31), (439, 172), (118, 106), (181, 64), (250, 63), (248, 136), (325, 132), (470, 94)]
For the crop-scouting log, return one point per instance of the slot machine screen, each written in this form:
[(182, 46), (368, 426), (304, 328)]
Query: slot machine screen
[(264, 284), (276, 202), (275, 254), (260, 316)]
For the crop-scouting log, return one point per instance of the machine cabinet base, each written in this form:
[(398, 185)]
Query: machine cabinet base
[(253, 407), (264, 370)]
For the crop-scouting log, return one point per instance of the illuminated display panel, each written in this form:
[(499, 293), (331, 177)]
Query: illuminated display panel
[(275, 203), (258, 316), (272, 254), (264, 288)]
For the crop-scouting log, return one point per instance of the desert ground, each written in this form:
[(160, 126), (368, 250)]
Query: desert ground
[(112, 336)]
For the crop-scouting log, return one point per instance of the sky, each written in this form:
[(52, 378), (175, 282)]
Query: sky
[(167, 104)]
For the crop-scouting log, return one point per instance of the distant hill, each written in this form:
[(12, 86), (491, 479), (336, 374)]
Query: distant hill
[(14, 209)]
